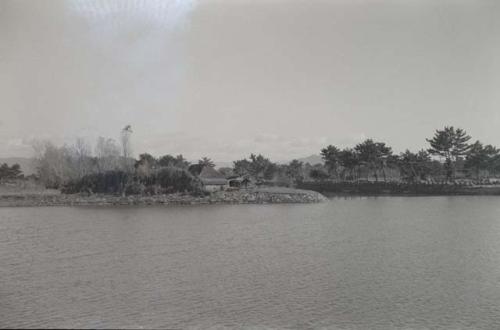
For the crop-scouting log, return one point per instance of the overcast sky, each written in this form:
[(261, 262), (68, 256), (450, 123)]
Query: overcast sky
[(226, 78)]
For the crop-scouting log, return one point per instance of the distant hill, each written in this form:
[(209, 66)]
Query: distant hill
[(313, 160), (27, 165)]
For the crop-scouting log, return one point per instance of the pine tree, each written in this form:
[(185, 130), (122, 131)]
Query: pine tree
[(449, 143)]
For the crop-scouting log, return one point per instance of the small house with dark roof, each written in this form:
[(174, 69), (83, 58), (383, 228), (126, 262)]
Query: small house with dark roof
[(212, 180)]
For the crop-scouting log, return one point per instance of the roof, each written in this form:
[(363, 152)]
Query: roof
[(238, 179), (209, 172)]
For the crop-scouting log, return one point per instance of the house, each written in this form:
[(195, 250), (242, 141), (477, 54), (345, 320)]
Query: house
[(212, 180), (239, 181)]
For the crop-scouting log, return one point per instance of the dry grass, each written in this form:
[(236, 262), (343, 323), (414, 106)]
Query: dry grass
[(25, 188)]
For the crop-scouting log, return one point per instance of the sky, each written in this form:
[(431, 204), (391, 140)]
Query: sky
[(226, 78)]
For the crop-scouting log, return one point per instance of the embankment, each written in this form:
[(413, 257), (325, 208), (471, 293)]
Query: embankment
[(395, 188), (255, 196)]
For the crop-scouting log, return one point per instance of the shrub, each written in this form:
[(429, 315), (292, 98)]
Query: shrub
[(111, 182), (134, 188), (172, 179), (162, 181)]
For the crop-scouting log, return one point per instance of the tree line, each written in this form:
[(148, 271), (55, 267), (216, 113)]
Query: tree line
[(110, 168), (449, 154)]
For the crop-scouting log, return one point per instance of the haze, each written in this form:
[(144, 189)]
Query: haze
[(226, 78)]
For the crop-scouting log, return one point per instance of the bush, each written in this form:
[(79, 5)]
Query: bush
[(135, 188), (163, 181), (172, 179), (111, 182)]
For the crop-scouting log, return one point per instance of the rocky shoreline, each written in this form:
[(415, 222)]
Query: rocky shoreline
[(223, 197)]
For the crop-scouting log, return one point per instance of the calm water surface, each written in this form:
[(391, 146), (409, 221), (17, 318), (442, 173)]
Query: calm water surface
[(360, 263)]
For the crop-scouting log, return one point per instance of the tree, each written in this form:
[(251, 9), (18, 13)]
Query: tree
[(177, 161), (481, 157), (258, 167), (241, 167), (174, 179), (261, 167), (126, 148), (146, 158), (181, 162), (4, 170), (10, 172), (226, 171), (206, 162), (367, 154), (330, 155), (494, 165), (384, 158), (82, 156), (373, 155), (349, 160), (53, 164), (318, 174), (107, 155), (449, 143), (415, 166), (15, 171), (167, 160), (294, 171), (146, 164), (125, 139)]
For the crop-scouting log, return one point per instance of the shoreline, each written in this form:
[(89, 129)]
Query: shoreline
[(399, 189), (256, 196), (306, 194)]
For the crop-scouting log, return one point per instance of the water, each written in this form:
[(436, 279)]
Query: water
[(377, 263)]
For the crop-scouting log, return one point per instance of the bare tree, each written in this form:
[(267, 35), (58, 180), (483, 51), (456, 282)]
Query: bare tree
[(108, 154), (126, 148), (125, 139), (52, 163), (82, 156)]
